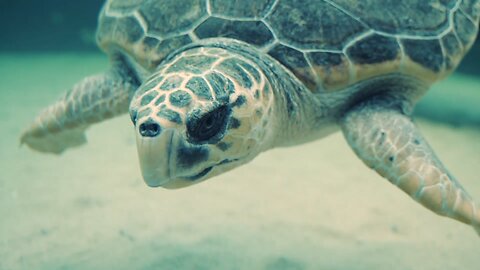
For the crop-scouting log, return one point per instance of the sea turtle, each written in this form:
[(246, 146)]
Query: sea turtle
[(210, 84)]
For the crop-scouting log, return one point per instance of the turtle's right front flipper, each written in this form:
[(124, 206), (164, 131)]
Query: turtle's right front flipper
[(94, 99)]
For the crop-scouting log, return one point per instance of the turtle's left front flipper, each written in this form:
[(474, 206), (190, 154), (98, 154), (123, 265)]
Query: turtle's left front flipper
[(94, 99), (388, 142)]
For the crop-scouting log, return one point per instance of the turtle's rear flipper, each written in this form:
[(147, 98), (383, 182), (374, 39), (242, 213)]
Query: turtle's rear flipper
[(388, 142), (94, 99)]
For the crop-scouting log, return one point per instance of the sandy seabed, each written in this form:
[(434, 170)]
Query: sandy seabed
[(315, 206)]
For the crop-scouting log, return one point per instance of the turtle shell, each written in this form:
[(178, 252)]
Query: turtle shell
[(327, 44)]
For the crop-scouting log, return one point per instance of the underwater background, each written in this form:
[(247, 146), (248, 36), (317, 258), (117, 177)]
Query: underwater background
[(314, 206)]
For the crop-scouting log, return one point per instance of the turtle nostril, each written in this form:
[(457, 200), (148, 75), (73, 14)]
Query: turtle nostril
[(149, 129)]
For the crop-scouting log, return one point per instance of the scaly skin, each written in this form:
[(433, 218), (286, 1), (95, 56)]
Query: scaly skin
[(92, 100), (388, 142)]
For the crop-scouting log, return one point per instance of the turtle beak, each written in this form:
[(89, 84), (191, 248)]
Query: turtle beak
[(155, 157)]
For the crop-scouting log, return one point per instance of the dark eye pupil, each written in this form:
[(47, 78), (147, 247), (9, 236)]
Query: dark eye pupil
[(210, 127), (209, 122)]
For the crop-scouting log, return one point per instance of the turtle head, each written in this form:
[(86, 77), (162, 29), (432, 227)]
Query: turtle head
[(201, 114)]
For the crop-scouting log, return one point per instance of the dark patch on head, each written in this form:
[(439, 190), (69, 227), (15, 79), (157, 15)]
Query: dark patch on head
[(252, 32), (170, 115), (239, 101), (232, 68), (160, 100), (189, 156), (150, 84), (147, 98), (253, 71), (416, 141), (230, 86), (234, 123), (374, 49), (257, 94), (224, 146), (266, 89), (296, 62), (391, 158), (143, 113), (196, 64), (171, 82), (180, 98), (427, 53), (199, 87), (222, 87)]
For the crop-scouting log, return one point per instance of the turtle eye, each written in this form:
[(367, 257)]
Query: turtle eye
[(210, 127)]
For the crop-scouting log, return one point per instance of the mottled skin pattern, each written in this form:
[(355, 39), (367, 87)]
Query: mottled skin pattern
[(90, 101), (387, 141), (210, 84), (173, 103)]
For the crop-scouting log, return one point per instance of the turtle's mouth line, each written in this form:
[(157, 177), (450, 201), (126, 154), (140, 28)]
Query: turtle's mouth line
[(208, 169), (200, 174)]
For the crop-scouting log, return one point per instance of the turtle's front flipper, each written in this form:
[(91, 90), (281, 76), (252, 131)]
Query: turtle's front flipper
[(387, 141), (95, 98)]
